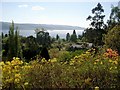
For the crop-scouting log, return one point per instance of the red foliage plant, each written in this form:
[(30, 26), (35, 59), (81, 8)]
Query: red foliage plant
[(111, 53)]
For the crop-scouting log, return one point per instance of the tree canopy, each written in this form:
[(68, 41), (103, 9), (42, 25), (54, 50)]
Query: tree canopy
[(95, 33)]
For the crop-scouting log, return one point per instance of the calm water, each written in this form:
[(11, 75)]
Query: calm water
[(53, 33)]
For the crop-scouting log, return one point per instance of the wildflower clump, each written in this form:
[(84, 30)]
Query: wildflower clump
[(111, 53), (11, 72)]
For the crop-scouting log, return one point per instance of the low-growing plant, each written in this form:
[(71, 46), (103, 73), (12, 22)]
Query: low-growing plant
[(85, 71)]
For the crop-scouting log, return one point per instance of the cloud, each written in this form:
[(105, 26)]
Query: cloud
[(23, 5), (36, 8)]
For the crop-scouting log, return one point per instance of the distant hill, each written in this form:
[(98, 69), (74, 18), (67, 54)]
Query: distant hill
[(21, 26)]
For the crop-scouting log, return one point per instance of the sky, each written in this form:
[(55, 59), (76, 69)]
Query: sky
[(63, 13)]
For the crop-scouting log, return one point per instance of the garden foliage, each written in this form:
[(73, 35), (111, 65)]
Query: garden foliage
[(83, 71)]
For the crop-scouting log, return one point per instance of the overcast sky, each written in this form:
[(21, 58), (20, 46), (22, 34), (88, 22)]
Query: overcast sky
[(65, 13)]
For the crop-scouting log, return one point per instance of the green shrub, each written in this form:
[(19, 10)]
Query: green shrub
[(112, 39), (67, 56)]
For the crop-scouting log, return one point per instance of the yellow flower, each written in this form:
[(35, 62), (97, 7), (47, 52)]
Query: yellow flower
[(20, 62), (17, 67), (17, 58), (95, 63), (17, 76), (97, 60), (101, 62), (8, 68), (71, 63), (1, 63), (13, 62), (76, 57), (96, 88), (65, 63), (13, 58), (43, 60), (115, 62), (16, 62), (26, 83), (54, 60), (3, 69), (110, 60), (88, 81), (9, 80), (27, 67), (115, 67), (110, 68), (8, 62), (87, 52), (17, 80)]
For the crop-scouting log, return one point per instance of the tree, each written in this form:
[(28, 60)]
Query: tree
[(5, 47), (6, 35), (11, 52), (44, 53), (47, 39), (59, 46), (73, 37), (112, 39), (37, 30), (97, 25), (57, 37), (91, 35), (2, 35), (30, 48), (67, 37), (14, 49), (114, 17), (43, 38), (53, 39), (18, 49), (80, 37)]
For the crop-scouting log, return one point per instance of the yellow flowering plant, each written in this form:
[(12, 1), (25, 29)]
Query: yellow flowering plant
[(82, 71)]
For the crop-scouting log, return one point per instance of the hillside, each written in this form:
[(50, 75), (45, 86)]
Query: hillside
[(21, 26)]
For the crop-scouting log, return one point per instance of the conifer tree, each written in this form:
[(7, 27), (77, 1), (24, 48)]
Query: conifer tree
[(11, 52), (67, 37), (18, 50), (14, 43), (73, 36), (57, 37)]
